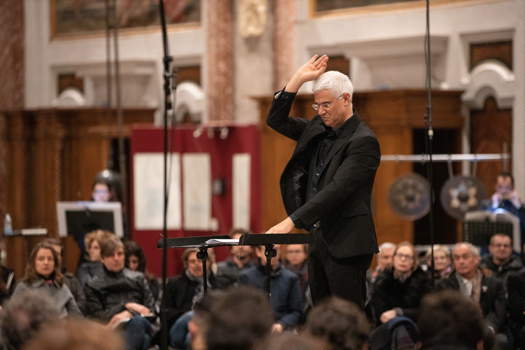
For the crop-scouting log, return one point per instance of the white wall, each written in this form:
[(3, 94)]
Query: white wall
[(386, 49), (140, 54)]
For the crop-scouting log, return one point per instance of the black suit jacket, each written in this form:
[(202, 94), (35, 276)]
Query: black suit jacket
[(341, 208), (492, 298)]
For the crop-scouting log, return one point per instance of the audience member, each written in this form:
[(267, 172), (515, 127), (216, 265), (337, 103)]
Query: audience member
[(449, 320), (92, 265), (385, 259), (500, 262), (75, 334), (286, 298), (516, 297), (7, 283), (507, 197), (442, 261), (103, 191), (296, 260), (183, 290), (240, 258), (43, 274), (485, 291), (292, 341), (398, 290), (70, 280), (23, 315), (136, 261), (238, 320), (120, 297), (340, 323)]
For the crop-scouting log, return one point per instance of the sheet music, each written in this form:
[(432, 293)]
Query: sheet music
[(222, 241)]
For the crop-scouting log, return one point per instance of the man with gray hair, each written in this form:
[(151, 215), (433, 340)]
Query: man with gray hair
[(470, 281), (327, 184)]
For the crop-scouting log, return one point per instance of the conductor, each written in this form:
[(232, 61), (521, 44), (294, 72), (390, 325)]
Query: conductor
[(327, 184)]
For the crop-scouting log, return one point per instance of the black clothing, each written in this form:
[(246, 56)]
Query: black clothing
[(181, 292), (87, 270), (502, 271), (107, 294), (76, 289), (328, 193), (391, 293), (492, 298)]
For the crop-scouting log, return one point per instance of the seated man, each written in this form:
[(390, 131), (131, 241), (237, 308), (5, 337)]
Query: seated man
[(120, 297), (296, 260), (241, 258), (507, 198), (449, 320), (286, 298), (500, 262), (340, 323), (485, 291), (385, 259)]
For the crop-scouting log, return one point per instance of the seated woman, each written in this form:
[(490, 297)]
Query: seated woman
[(398, 290), (43, 274), (136, 261), (442, 262), (91, 266)]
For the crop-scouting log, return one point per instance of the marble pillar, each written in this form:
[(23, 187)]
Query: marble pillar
[(220, 62)]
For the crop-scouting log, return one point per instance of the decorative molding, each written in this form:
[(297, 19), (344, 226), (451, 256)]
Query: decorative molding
[(491, 78)]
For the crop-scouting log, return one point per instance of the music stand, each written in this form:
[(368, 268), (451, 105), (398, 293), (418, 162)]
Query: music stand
[(202, 243), (268, 240)]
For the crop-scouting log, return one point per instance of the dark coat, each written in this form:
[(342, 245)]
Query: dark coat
[(492, 298), (108, 293), (516, 292), (342, 203), (286, 296), (181, 292), (502, 271), (390, 293)]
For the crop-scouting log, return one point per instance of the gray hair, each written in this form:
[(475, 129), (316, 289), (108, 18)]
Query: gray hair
[(386, 245), (473, 249), (334, 81)]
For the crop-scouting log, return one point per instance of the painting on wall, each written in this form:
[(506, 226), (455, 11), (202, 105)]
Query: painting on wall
[(89, 16), (321, 6)]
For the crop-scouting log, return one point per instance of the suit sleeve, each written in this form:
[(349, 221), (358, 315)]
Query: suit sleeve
[(279, 119), (358, 167)]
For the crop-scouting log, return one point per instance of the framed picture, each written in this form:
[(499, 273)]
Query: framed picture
[(328, 7), (71, 17)]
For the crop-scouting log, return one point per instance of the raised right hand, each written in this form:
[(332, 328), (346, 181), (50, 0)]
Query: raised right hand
[(311, 70)]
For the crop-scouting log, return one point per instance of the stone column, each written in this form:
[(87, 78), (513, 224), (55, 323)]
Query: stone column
[(220, 65), (285, 13)]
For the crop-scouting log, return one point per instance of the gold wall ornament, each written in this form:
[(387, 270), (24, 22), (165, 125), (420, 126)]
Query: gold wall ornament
[(253, 16)]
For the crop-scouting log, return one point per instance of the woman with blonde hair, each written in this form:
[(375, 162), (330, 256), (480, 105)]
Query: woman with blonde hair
[(43, 274), (398, 290), (92, 265)]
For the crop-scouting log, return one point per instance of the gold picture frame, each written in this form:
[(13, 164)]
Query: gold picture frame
[(71, 18)]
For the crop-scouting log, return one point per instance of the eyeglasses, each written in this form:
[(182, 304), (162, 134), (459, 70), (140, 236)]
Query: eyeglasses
[(325, 105), (404, 256), (500, 245)]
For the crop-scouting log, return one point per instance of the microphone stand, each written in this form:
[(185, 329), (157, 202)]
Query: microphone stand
[(167, 61), (429, 134)]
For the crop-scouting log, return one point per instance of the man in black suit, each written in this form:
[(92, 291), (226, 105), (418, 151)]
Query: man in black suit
[(327, 184)]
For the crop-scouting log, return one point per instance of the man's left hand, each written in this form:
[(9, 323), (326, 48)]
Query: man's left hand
[(284, 226)]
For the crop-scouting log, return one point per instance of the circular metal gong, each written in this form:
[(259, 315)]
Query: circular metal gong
[(409, 196), (462, 194)]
